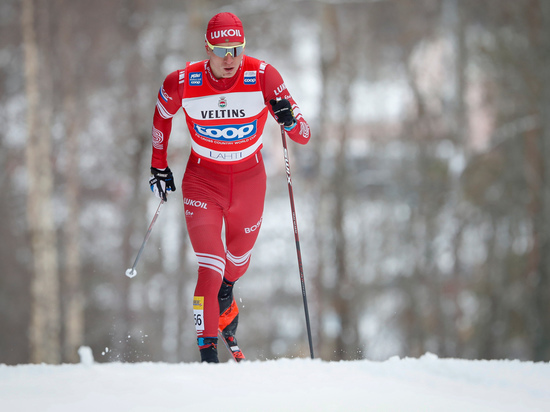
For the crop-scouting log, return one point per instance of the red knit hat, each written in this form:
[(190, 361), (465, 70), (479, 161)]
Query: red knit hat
[(224, 28)]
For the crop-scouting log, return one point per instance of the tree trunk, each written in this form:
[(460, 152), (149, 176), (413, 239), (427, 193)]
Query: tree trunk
[(72, 295), (542, 299), (45, 316)]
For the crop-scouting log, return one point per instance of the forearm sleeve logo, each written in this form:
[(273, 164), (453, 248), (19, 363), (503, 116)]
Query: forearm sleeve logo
[(158, 139)]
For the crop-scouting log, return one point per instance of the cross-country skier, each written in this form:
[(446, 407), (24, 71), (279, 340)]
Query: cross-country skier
[(225, 100)]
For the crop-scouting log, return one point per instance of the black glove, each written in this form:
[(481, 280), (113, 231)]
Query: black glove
[(161, 182), (283, 112)]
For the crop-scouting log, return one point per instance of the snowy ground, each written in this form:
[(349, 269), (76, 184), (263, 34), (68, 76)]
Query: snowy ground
[(425, 384)]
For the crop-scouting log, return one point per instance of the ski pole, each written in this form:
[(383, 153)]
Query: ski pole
[(297, 238), (131, 272)]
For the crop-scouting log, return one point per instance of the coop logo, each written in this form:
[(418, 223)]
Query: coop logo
[(227, 132), (250, 77), (195, 79)]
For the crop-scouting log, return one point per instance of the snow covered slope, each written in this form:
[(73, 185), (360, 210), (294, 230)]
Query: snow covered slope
[(425, 384)]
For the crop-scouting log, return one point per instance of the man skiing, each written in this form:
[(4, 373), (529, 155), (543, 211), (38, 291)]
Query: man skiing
[(225, 100)]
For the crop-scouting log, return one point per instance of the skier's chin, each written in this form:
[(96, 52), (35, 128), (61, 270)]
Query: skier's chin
[(228, 72)]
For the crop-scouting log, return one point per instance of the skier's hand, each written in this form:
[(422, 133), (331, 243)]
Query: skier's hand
[(283, 113), (162, 181)]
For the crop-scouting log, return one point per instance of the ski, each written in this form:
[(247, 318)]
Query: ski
[(231, 344)]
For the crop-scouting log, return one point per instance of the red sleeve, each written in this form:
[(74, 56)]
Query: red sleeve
[(273, 86), (168, 103)]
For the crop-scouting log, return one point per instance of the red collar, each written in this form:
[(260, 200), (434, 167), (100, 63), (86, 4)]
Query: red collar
[(223, 83)]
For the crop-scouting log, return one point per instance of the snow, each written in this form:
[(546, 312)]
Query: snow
[(424, 384)]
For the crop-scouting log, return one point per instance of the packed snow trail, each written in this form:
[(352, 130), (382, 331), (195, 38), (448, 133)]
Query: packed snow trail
[(424, 384)]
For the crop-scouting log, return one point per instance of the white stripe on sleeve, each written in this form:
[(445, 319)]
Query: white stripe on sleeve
[(165, 114)]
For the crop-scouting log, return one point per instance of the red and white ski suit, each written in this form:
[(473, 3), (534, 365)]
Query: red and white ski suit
[(225, 180)]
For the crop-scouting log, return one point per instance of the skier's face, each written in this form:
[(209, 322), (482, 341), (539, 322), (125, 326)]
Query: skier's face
[(225, 67)]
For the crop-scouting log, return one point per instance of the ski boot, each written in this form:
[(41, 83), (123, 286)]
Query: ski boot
[(229, 319), (209, 349)]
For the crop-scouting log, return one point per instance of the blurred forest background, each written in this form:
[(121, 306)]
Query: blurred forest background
[(423, 198)]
